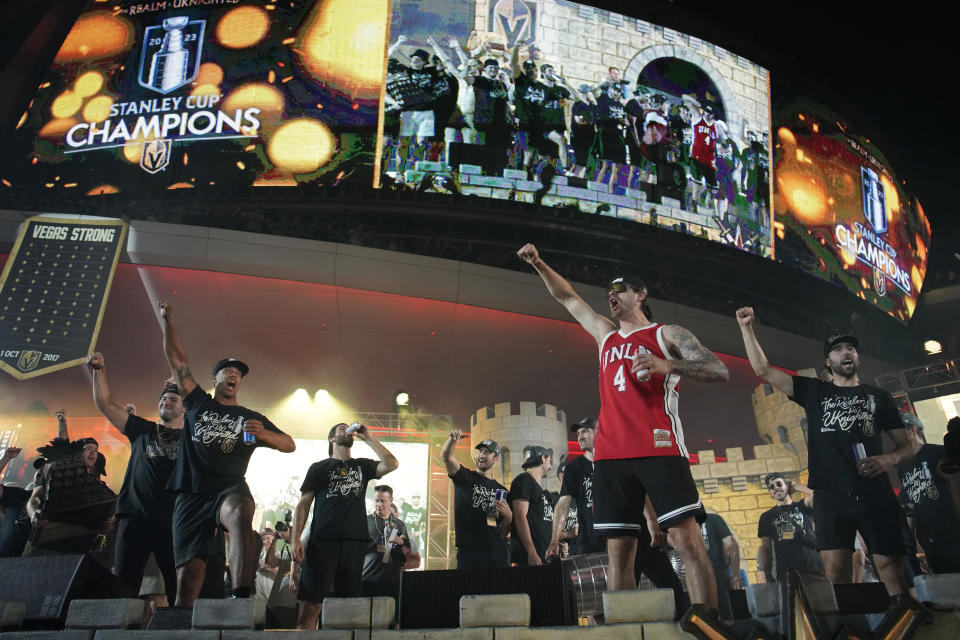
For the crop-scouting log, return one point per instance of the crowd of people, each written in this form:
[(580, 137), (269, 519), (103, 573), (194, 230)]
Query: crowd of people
[(184, 513), (526, 116)]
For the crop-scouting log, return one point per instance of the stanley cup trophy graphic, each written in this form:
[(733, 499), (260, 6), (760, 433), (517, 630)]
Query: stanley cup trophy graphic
[(170, 66)]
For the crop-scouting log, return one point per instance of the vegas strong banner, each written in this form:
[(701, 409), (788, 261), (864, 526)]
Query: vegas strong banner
[(54, 290)]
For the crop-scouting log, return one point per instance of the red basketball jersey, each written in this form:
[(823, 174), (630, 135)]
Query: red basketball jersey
[(637, 419), (704, 142)]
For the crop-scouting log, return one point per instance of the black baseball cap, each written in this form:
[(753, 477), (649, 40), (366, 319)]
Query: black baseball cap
[(837, 338), (491, 62), (172, 388), (533, 456), (708, 109), (529, 64), (489, 445), (585, 423), (232, 362)]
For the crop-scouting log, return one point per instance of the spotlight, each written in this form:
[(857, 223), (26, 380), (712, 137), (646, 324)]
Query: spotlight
[(322, 395), (402, 399), (932, 347)]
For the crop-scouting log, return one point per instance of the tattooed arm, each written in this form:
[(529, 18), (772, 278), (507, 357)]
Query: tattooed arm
[(173, 348), (693, 359)]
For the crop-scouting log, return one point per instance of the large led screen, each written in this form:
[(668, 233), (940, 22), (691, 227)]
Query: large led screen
[(842, 215), (542, 101), (198, 93), (566, 105)]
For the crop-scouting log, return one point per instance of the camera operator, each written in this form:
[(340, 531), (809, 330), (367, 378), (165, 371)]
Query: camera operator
[(389, 551)]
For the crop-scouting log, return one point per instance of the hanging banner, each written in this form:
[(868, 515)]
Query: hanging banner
[(53, 292)]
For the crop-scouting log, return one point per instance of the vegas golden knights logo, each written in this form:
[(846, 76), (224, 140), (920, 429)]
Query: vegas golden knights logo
[(879, 282), (156, 155), (514, 20), (29, 360)]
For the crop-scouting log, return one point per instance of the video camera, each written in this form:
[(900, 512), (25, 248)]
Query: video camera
[(280, 527)]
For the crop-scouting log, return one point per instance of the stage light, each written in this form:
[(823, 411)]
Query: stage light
[(932, 347), (322, 395), (401, 399)]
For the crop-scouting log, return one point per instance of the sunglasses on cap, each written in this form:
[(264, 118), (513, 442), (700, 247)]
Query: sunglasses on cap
[(619, 285)]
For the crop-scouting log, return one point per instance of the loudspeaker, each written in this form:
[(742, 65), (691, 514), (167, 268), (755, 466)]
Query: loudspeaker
[(431, 599), (867, 597), (49, 583)]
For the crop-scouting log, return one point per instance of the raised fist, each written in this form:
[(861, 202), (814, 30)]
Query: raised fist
[(95, 360), (745, 316), (528, 253)]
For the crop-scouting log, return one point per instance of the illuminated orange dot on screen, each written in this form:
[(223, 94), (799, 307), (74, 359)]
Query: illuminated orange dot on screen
[(88, 84), (66, 104), (243, 27), (96, 35)]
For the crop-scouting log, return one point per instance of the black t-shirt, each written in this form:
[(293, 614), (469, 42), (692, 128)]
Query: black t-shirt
[(930, 496), (490, 106), (714, 530), (212, 454), (634, 109), (790, 527), (415, 89), (609, 111), (445, 90), (553, 115), (15, 529), (472, 503), (340, 487), (528, 98), (587, 113), (837, 419), (578, 483), (539, 517), (153, 454), (374, 568)]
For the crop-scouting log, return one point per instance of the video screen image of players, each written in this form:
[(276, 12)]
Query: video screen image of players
[(569, 106)]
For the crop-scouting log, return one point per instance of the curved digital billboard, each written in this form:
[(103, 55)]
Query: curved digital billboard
[(842, 215), (545, 101)]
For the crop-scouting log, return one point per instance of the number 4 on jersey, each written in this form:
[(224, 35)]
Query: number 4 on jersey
[(619, 380)]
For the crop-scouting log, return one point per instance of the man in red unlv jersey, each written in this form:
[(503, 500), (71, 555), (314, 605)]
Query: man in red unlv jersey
[(639, 450)]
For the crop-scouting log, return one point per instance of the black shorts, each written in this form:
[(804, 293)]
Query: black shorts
[(621, 486), (838, 516), (613, 147), (705, 171), (196, 517), (331, 567)]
